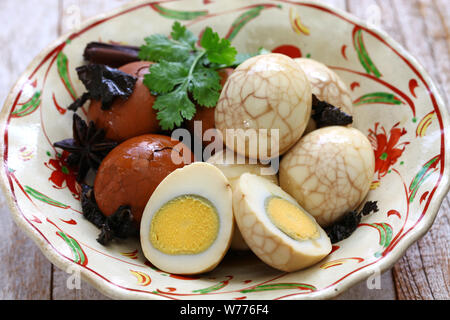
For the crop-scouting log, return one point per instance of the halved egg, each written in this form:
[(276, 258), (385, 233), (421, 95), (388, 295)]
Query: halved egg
[(233, 165), (275, 227), (187, 224)]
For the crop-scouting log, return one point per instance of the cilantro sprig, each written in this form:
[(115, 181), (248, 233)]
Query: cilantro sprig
[(183, 72)]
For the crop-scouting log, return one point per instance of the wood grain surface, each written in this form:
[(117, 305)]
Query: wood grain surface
[(421, 26)]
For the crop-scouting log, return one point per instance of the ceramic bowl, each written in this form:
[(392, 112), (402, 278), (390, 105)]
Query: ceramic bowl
[(396, 105)]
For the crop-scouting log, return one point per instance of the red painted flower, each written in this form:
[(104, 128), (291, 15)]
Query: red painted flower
[(63, 176), (386, 147), (288, 50)]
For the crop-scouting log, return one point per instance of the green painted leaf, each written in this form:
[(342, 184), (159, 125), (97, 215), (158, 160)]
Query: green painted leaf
[(385, 232), (280, 286), (381, 232), (28, 107), (388, 237), (363, 55), (378, 97), (79, 255), (242, 20), (177, 14), (421, 176), (62, 65), (212, 288), (42, 197), (245, 18)]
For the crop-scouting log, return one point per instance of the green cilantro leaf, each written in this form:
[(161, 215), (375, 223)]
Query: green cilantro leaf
[(218, 50), (165, 75), (183, 74), (159, 47), (173, 108), (181, 34), (206, 86)]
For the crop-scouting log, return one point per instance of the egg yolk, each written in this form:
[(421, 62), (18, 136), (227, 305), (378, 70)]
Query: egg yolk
[(187, 224), (291, 219)]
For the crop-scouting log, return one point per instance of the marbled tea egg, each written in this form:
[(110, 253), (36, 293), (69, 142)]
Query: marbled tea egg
[(233, 166), (329, 172), (279, 231), (187, 224), (326, 85), (265, 92)]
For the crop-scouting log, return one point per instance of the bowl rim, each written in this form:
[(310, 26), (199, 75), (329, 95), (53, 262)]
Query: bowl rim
[(116, 291)]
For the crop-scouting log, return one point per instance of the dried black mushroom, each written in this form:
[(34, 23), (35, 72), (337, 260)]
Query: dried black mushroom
[(87, 148), (120, 224), (78, 103), (89, 206), (345, 226), (103, 83), (325, 114)]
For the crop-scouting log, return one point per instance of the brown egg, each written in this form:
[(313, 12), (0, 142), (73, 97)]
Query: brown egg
[(128, 118), (131, 172), (204, 114)]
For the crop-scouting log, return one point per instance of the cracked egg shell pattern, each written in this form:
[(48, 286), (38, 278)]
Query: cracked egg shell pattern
[(326, 85), (268, 91), (233, 168), (329, 172), (269, 243)]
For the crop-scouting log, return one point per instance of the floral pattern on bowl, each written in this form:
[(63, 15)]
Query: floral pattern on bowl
[(396, 105)]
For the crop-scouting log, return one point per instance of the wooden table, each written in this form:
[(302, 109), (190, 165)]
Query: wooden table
[(421, 26)]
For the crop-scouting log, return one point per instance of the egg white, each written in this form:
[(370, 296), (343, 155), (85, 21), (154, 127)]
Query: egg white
[(268, 242), (233, 167), (201, 179)]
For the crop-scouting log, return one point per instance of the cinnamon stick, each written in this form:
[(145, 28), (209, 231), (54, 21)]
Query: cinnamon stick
[(112, 55)]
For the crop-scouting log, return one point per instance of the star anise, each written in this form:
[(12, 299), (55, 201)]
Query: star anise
[(87, 148)]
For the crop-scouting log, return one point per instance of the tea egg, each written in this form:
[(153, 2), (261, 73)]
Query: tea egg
[(187, 225), (329, 172), (279, 231), (326, 85), (130, 173), (264, 106), (233, 166)]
